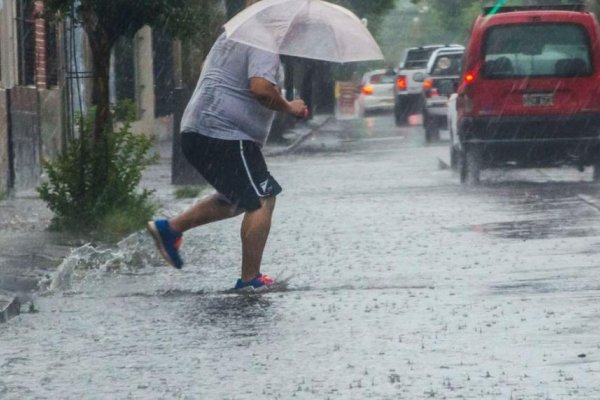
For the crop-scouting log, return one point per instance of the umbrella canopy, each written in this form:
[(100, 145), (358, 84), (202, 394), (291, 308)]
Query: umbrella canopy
[(312, 29)]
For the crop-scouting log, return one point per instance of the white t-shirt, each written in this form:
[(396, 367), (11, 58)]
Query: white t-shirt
[(222, 105)]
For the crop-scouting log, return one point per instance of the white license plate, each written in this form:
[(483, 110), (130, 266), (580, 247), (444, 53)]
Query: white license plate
[(538, 99)]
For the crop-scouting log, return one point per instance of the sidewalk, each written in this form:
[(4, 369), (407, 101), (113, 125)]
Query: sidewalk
[(30, 253)]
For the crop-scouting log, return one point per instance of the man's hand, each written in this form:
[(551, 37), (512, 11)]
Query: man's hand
[(297, 108), (269, 96)]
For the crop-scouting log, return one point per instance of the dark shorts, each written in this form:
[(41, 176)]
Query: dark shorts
[(235, 168)]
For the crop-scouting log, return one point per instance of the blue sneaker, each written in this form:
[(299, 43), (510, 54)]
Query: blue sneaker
[(259, 282), (167, 240)]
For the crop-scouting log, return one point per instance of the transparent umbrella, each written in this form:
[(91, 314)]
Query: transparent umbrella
[(312, 29)]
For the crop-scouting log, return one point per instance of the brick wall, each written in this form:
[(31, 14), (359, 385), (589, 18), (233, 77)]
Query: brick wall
[(40, 47)]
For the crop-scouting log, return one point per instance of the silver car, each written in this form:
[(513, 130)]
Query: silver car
[(442, 78), (376, 91)]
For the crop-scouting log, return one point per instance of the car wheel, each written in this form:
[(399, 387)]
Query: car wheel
[(401, 113), (454, 156), (596, 171), (471, 164), (432, 128)]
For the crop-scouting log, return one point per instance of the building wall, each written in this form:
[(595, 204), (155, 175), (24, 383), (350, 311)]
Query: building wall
[(51, 122), (144, 82), (8, 49), (4, 156), (25, 137), (5, 80), (31, 117)]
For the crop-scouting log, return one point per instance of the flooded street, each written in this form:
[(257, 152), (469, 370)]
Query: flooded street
[(396, 282)]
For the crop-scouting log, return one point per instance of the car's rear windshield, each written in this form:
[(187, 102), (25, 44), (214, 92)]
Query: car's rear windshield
[(383, 78), (447, 65), (537, 50), (418, 58)]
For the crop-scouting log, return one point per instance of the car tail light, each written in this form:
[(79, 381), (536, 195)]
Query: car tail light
[(469, 78), (429, 90), (401, 82), (367, 90)]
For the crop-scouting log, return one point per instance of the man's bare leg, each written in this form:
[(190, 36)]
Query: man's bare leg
[(207, 210), (255, 231)]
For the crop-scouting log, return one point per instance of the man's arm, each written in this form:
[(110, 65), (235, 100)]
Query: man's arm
[(268, 95)]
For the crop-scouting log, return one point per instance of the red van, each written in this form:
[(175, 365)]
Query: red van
[(530, 91)]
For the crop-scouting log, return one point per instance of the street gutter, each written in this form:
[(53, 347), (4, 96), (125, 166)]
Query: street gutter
[(10, 306)]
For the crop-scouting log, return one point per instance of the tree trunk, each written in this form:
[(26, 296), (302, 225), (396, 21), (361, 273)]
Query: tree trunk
[(101, 48), (101, 43)]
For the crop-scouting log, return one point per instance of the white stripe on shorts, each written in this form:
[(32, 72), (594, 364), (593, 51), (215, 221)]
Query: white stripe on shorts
[(258, 193)]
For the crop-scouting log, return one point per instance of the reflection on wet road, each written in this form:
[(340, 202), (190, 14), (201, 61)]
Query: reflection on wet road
[(401, 284)]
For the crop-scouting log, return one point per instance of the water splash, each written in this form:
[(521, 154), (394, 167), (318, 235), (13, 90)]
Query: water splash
[(130, 254)]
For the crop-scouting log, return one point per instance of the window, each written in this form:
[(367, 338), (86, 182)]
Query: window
[(418, 58), (124, 69), (447, 64), (546, 49), (1, 23), (383, 79), (26, 42), (164, 82), (51, 54)]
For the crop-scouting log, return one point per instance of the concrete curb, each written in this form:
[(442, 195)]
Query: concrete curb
[(10, 306)]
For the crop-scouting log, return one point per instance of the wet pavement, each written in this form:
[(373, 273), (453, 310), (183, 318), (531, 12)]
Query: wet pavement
[(396, 283)]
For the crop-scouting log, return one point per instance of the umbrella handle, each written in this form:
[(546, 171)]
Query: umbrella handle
[(305, 114)]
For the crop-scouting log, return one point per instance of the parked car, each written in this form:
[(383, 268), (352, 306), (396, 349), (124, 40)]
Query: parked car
[(452, 125), (443, 78), (529, 94), (410, 75), (376, 91)]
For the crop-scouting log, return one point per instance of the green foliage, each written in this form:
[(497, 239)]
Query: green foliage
[(180, 18), (372, 10), (188, 192), (125, 111), (94, 185), (367, 8)]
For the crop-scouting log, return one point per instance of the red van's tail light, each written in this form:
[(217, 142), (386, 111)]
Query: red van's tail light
[(469, 78), (367, 90), (401, 82)]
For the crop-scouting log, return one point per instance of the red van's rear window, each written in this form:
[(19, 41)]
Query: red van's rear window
[(536, 50)]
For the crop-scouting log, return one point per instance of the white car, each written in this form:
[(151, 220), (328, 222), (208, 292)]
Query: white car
[(410, 75), (453, 129), (443, 77), (377, 91)]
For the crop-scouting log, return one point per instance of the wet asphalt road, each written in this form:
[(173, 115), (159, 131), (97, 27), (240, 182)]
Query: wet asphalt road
[(396, 283)]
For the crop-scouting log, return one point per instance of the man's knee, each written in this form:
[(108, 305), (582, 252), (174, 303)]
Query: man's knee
[(268, 202)]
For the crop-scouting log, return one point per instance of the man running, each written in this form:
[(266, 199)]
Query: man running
[(224, 127)]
